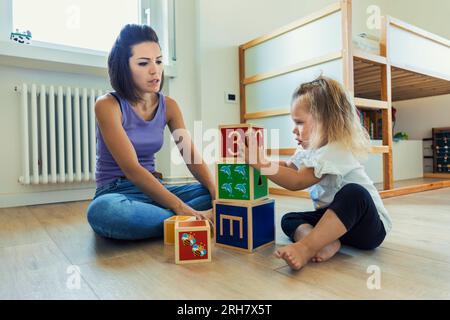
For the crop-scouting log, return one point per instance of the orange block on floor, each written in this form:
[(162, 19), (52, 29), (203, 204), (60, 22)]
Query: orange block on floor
[(192, 241), (169, 227)]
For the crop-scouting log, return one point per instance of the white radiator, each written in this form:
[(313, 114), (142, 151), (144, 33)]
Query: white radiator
[(58, 134)]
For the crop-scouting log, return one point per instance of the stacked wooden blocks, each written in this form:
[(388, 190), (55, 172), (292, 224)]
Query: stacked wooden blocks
[(244, 216)]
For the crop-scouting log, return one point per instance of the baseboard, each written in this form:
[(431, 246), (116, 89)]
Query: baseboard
[(35, 198), (396, 192), (437, 175), (46, 197), (284, 192)]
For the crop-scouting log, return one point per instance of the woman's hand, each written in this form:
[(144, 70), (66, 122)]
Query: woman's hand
[(193, 158), (206, 215), (185, 210), (212, 192)]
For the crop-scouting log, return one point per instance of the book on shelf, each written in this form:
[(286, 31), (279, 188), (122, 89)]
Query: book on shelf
[(372, 122)]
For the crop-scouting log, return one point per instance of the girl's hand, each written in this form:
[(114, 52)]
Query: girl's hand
[(251, 152)]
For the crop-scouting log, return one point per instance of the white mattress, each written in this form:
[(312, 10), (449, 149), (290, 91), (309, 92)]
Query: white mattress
[(367, 43)]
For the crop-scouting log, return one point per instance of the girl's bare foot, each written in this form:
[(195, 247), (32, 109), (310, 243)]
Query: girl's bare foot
[(327, 252), (296, 255)]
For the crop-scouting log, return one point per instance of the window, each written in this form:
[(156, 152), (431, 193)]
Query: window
[(87, 24)]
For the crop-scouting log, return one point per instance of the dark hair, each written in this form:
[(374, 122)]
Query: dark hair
[(118, 59)]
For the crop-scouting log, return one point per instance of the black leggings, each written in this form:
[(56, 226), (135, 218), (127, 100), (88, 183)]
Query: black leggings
[(354, 206)]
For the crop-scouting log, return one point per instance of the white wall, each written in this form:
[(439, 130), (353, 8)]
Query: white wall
[(431, 15), (417, 117), (184, 87)]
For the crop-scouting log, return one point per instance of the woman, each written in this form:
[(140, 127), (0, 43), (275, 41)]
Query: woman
[(130, 201)]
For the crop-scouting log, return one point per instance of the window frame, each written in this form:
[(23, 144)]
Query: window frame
[(53, 56)]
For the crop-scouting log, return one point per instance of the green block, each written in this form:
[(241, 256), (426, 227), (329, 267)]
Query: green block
[(240, 182)]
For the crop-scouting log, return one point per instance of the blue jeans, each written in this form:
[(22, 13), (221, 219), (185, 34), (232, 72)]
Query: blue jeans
[(120, 210)]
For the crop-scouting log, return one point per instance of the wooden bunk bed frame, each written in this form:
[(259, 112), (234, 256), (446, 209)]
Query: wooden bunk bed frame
[(375, 81)]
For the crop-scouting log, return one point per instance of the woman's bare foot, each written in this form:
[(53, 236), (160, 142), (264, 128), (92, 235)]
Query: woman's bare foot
[(327, 252), (296, 255)]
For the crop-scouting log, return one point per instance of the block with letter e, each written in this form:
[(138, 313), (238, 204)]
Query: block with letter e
[(244, 226)]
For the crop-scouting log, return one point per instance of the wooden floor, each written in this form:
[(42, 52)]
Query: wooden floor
[(39, 243)]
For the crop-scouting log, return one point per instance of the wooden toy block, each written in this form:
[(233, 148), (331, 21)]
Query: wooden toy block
[(192, 241), (244, 227), (169, 227), (232, 135), (240, 182)]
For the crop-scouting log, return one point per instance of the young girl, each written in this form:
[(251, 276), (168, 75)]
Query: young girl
[(348, 207), (130, 201)]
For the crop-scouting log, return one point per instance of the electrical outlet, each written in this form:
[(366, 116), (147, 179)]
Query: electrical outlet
[(230, 97)]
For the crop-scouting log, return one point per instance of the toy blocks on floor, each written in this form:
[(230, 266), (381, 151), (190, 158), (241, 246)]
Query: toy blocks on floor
[(192, 241), (244, 226), (169, 227), (240, 182)]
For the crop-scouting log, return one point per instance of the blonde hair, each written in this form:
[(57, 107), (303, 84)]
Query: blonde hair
[(336, 117)]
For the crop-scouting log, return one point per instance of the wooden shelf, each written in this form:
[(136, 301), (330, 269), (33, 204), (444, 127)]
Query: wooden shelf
[(406, 187), (406, 84), (281, 152), (403, 187), (367, 57), (267, 114), (367, 79), (291, 151), (370, 104), (379, 149), (437, 175)]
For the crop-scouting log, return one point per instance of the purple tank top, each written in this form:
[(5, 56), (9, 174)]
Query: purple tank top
[(146, 136)]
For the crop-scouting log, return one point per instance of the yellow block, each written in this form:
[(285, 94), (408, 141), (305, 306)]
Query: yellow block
[(169, 227)]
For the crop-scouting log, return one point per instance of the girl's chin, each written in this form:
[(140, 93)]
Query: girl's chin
[(303, 145)]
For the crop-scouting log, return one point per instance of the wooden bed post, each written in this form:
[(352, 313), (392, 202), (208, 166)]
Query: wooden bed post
[(386, 95), (347, 54)]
